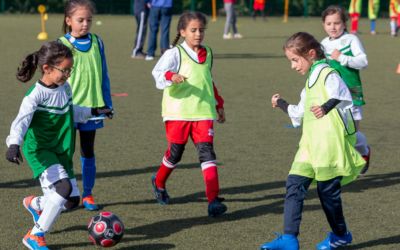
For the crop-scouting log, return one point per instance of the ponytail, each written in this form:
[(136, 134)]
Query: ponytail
[(51, 53), (175, 42), (28, 67)]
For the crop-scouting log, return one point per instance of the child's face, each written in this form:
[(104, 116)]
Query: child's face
[(299, 63), (58, 74), (80, 21), (194, 33), (334, 26)]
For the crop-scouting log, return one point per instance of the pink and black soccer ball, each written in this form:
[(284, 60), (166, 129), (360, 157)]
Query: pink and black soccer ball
[(105, 229)]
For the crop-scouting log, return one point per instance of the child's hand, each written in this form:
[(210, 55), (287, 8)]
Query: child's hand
[(177, 78), (274, 100), (107, 111), (14, 154), (221, 115), (318, 111), (335, 55)]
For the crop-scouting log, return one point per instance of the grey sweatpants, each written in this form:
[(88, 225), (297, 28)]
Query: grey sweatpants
[(230, 18)]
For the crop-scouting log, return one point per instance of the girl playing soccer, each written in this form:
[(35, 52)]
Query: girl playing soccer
[(346, 54), (189, 107), (46, 123), (90, 84), (326, 154)]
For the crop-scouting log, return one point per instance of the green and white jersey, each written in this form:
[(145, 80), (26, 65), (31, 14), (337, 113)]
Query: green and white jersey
[(352, 59), (45, 123)]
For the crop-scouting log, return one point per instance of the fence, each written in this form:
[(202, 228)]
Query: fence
[(273, 7)]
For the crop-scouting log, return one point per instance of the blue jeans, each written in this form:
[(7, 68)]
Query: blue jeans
[(159, 17)]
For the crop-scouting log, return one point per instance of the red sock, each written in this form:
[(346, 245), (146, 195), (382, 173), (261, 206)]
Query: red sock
[(162, 175), (210, 176), (354, 23)]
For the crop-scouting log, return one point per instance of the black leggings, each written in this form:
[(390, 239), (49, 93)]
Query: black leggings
[(87, 143)]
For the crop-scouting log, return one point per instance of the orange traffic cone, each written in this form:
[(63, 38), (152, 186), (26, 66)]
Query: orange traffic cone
[(398, 69)]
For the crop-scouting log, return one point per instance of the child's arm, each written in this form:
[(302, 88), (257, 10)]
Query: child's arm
[(83, 114), (21, 123), (166, 68), (339, 96), (357, 61), (220, 105), (19, 127), (105, 86), (295, 112)]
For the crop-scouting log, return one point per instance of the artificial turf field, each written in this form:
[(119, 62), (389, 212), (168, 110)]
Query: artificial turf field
[(254, 147)]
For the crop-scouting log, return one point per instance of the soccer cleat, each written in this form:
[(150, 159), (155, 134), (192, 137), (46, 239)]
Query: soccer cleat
[(216, 208), (35, 241), (27, 204), (89, 204), (282, 242), (366, 158), (334, 242), (161, 195)]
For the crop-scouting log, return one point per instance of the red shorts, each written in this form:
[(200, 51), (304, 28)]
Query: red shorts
[(258, 6), (199, 131)]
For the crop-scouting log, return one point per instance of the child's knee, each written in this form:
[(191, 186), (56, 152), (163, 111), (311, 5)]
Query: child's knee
[(175, 153), (63, 187), (206, 152)]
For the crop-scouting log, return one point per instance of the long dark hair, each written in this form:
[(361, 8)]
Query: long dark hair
[(70, 7), (51, 53), (302, 42), (184, 19)]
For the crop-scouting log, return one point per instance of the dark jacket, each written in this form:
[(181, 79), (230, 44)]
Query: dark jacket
[(139, 6)]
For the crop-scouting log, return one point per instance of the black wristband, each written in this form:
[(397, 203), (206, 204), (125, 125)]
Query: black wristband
[(282, 104)]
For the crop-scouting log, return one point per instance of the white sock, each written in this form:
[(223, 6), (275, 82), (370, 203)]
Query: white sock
[(393, 27), (50, 213), (38, 202), (361, 144)]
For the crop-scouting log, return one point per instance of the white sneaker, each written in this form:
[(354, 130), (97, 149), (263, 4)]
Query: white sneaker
[(227, 36), (237, 36), (149, 58)]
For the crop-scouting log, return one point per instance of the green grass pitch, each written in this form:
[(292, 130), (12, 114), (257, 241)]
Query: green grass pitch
[(254, 148)]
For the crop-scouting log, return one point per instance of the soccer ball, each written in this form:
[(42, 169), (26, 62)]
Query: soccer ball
[(105, 229)]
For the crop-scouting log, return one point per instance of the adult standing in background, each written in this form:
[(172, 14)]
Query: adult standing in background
[(230, 20), (141, 11), (160, 15)]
